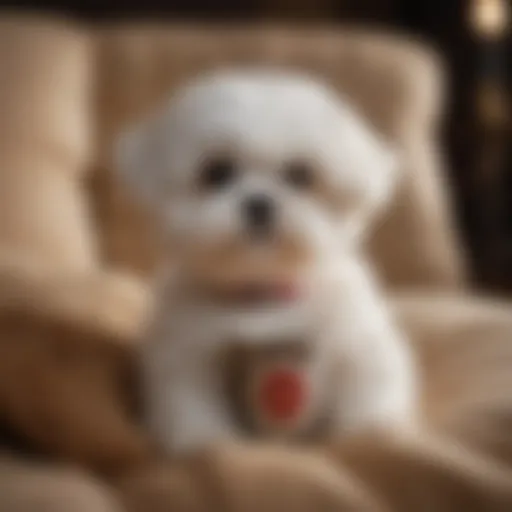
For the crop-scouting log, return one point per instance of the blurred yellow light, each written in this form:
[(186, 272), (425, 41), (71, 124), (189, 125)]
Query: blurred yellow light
[(490, 18)]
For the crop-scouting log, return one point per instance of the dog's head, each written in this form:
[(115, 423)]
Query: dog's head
[(257, 174)]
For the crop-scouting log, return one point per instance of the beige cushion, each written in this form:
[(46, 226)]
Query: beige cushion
[(45, 141)]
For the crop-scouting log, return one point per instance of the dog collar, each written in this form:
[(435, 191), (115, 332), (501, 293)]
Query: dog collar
[(265, 293)]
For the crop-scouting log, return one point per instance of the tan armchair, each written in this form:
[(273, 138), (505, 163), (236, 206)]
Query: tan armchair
[(75, 253)]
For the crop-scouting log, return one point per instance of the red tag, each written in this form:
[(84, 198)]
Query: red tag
[(282, 395)]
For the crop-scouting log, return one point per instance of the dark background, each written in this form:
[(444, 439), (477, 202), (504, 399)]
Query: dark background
[(479, 154)]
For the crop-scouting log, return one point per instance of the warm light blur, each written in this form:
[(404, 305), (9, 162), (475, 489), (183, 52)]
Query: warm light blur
[(490, 18)]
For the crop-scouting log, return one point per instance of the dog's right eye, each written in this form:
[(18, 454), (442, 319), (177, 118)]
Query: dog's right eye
[(217, 173), (300, 175)]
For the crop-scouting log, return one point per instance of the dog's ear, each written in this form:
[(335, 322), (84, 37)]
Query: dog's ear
[(139, 161), (382, 164), (372, 171)]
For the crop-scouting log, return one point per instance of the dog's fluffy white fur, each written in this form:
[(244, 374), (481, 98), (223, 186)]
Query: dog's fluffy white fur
[(264, 123)]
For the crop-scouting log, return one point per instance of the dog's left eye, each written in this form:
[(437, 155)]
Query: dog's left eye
[(300, 175), (218, 173)]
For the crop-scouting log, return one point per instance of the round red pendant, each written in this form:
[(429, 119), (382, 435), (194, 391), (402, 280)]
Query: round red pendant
[(282, 395)]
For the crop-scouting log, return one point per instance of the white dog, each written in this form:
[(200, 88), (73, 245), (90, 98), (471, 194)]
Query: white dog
[(264, 182)]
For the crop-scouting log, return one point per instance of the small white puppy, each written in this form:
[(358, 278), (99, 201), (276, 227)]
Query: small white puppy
[(264, 183)]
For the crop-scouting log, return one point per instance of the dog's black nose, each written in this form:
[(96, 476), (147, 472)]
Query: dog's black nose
[(259, 212)]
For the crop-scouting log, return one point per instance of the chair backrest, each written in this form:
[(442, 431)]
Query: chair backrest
[(396, 83)]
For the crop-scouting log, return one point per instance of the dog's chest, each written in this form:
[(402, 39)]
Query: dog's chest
[(254, 364)]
